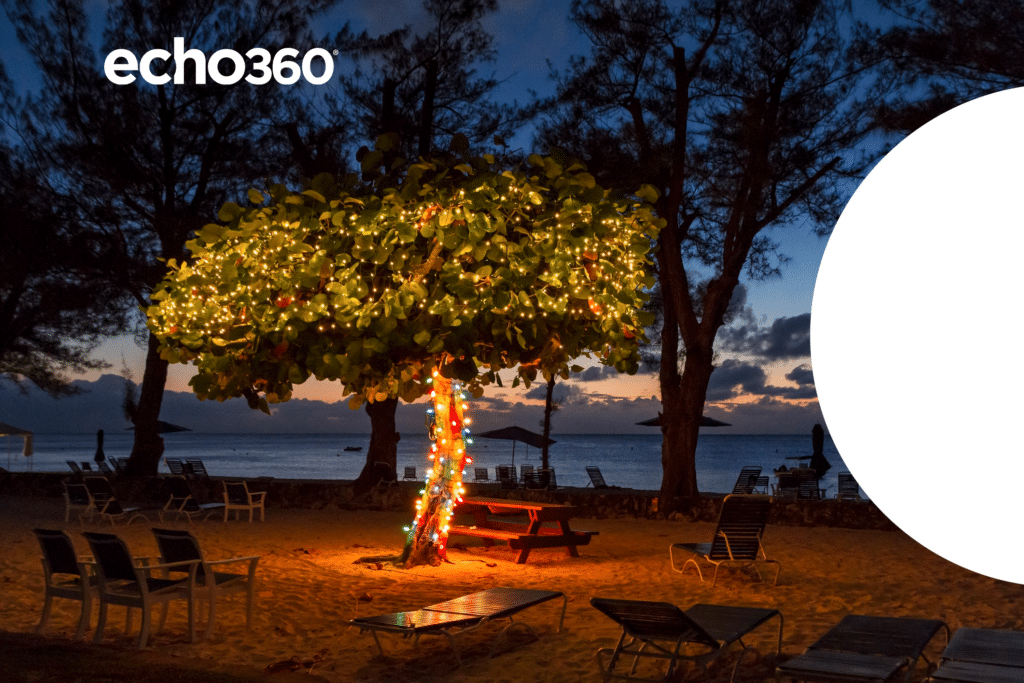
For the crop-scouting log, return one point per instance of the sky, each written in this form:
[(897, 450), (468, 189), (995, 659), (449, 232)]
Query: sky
[(763, 383)]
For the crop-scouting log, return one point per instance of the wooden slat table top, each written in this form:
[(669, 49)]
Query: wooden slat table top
[(505, 504)]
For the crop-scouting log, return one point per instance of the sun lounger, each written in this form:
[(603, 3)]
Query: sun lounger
[(737, 541), (480, 474), (596, 478), (761, 485), (982, 655), (506, 475), (523, 471), (106, 504), (848, 488), (176, 466), (183, 502), (196, 468), (660, 630), (410, 474), (747, 479), (864, 649), (103, 467), (461, 615), (75, 469)]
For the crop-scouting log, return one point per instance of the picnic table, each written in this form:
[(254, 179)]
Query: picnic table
[(519, 536)]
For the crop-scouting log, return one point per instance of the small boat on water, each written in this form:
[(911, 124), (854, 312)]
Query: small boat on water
[(353, 448)]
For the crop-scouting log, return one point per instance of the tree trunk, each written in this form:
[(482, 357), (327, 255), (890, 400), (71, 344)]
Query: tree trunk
[(427, 117), (683, 406), (382, 456), (548, 410), (148, 446)]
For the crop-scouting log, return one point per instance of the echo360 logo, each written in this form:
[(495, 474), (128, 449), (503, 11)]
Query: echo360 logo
[(120, 66)]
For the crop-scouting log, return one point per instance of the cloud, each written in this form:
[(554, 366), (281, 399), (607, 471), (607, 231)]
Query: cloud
[(734, 378), (596, 373), (786, 338)]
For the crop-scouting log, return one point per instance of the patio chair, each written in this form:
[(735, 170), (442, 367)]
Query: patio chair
[(737, 541), (761, 485), (982, 655), (183, 502), (523, 471), (506, 475), (410, 474), (103, 467), (848, 488), (863, 648), (660, 630), (196, 468), (77, 500), (480, 474), (596, 478), (238, 497), (461, 615), (747, 479), (106, 504), (176, 466), (181, 546), (124, 581), (67, 576), (807, 489)]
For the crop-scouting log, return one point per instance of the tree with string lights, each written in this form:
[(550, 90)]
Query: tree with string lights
[(462, 268)]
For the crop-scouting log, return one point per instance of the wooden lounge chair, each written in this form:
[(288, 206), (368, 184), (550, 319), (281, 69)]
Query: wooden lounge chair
[(747, 479), (238, 497), (196, 468), (183, 502), (737, 541), (480, 474), (106, 504), (176, 466), (182, 547), (982, 655), (67, 576), (848, 488), (77, 500), (863, 648), (125, 581), (506, 475), (410, 474), (596, 478), (660, 630), (460, 615)]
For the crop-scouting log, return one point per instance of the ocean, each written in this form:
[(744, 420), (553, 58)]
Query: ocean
[(627, 460)]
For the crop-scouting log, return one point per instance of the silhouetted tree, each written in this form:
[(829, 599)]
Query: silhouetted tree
[(151, 163), (744, 115)]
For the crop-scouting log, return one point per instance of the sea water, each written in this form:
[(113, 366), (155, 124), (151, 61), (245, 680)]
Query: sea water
[(627, 460)]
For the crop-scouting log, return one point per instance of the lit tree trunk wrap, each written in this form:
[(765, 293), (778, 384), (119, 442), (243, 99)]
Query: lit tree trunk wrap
[(448, 429)]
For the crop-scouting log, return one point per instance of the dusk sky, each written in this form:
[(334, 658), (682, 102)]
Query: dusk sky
[(763, 383)]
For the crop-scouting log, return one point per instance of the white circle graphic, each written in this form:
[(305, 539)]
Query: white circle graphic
[(916, 335)]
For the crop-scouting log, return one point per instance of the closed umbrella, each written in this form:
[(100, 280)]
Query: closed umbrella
[(99, 457)]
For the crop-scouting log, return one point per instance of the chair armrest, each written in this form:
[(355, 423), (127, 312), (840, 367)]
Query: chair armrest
[(258, 494), (250, 558)]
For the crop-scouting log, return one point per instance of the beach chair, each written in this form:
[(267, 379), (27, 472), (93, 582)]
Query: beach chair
[(176, 466), (596, 478), (106, 504), (552, 482), (238, 497), (75, 469), (807, 489), (848, 488), (761, 485), (125, 581), (86, 466), (982, 655), (104, 468), (737, 541), (461, 615), (196, 468), (480, 474), (506, 475), (183, 502), (747, 479), (863, 648), (410, 474), (77, 500), (660, 630), (523, 471), (118, 464), (182, 547), (66, 576), (786, 484)]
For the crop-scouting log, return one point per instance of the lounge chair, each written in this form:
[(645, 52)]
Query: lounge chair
[(848, 488), (238, 497), (124, 581), (523, 471), (747, 479), (86, 466), (196, 468), (480, 474), (410, 474), (506, 475), (106, 504), (182, 547), (761, 485), (77, 500), (67, 576), (862, 649), (176, 466), (183, 502), (982, 655), (118, 465), (460, 615), (75, 469), (596, 478), (660, 630), (737, 541), (539, 479), (103, 467), (807, 489)]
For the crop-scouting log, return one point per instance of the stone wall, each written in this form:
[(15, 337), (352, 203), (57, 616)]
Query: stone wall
[(337, 495)]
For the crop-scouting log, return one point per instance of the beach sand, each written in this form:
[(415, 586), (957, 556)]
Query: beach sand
[(310, 584)]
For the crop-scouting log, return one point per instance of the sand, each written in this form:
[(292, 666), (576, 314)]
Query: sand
[(311, 584)]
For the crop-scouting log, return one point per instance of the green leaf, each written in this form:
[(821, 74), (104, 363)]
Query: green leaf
[(648, 193), (255, 196), (422, 337)]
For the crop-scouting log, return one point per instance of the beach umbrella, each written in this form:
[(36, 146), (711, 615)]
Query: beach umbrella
[(705, 421), (165, 428), (515, 434), (99, 457), (11, 430)]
